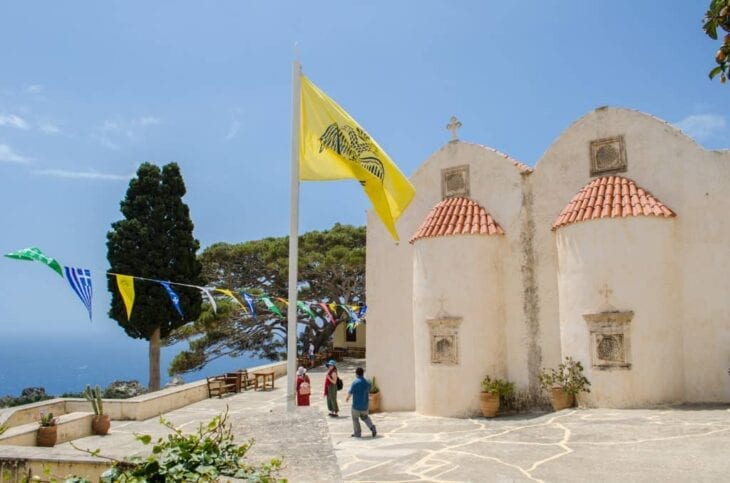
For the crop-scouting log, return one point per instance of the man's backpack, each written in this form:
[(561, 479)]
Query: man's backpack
[(339, 384), (305, 389)]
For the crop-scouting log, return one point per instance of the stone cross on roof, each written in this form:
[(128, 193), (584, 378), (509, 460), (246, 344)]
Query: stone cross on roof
[(454, 126)]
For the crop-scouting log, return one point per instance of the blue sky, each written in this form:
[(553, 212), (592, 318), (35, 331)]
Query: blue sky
[(89, 90)]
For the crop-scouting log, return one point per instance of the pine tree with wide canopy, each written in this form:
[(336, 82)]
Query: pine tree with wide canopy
[(154, 240), (331, 269)]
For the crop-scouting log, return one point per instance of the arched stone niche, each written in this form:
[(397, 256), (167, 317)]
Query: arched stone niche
[(444, 337)]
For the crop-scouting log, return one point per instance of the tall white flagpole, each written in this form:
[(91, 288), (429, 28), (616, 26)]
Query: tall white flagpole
[(291, 365)]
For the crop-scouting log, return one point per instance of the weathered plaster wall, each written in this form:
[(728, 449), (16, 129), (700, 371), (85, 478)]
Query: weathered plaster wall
[(691, 181), (634, 257), (477, 299), (705, 288), (389, 353), (496, 185)]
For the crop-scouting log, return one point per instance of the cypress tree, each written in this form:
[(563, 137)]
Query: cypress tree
[(154, 240)]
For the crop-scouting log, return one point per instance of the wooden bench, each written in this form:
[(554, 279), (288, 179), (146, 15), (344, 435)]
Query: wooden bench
[(220, 385), (356, 352), (265, 377), (241, 378)]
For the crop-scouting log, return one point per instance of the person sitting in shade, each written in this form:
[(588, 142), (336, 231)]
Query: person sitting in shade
[(359, 391)]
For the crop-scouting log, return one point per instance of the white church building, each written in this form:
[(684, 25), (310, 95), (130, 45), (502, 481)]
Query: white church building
[(614, 249)]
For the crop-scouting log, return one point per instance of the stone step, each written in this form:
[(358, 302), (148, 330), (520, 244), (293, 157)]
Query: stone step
[(70, 426)]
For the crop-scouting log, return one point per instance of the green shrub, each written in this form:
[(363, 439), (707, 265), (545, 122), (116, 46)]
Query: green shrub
[(47, 419), (374, 389), (497, 386), (568, 376), (208, 455)]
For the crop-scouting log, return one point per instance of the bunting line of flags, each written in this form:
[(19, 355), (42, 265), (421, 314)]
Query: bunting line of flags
[(80, 281)]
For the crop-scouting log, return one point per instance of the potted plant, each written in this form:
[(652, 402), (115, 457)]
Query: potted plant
[(492, 390), (102, 422), (47, 432), (563, 383), (374, 397)]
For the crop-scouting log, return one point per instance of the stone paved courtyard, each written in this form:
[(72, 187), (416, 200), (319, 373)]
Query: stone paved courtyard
[(665, 444), (690, 444)]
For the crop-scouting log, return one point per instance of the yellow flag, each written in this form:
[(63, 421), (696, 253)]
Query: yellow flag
[(225, 291), (333, 146), (126, 288)]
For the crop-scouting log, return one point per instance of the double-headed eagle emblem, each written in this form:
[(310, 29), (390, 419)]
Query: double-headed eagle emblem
[(354, 145)]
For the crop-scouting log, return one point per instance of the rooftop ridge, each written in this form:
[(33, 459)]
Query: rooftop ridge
[(521, 166)]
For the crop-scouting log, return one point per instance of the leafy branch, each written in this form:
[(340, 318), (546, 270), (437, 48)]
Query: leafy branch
[(718, 17), (204, 456)]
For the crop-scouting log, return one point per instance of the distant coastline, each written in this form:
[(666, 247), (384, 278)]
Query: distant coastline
[(66, 363)]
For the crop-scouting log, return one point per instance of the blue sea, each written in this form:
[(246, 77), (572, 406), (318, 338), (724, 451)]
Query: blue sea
[(67, 362)]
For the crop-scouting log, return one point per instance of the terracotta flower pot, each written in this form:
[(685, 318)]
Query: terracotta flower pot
[(47, 436), (101, 424), (489, 404), (373, 402), (561, 399)]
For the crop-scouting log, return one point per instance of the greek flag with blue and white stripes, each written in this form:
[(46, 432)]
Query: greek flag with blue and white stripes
[(80, 281)]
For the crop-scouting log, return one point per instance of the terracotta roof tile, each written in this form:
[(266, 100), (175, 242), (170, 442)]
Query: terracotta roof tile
[(611, 197), (522, 167), (457, 216)]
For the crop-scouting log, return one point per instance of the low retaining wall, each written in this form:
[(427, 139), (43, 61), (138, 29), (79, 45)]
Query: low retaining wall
[(19, 457), (68, 428), (137, 408), (20, 462), (31, 413)]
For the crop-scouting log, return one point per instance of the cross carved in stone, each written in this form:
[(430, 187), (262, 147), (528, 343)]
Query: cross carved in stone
[(454, 126), (441, 311), (606, 293)]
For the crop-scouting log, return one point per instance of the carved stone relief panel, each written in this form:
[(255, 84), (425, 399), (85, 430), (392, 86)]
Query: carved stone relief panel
[(444, 339), (610, 339), (608, 155), (455, 181)]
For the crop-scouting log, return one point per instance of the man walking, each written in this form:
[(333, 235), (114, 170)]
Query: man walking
[(359, 391)]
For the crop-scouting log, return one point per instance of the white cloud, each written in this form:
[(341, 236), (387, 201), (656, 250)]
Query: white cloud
[(12, 120), (148, 121), (34, 89), (233, 130), (9, 156), (112, 132), (62, 173), (703, 126), (105, 141), (49, 128), (111, 126)]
